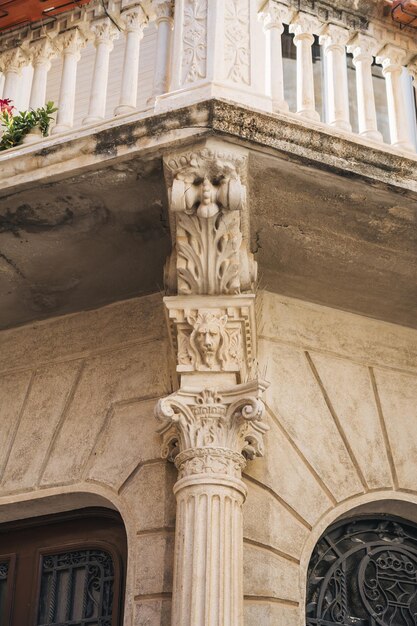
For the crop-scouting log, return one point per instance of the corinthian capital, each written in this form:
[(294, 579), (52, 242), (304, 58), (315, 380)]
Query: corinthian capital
[(162, 9), (275, 14), (13, 60), (210, 424), (207, 202), (42, 51), (134, 19), (71, 42), (104, 32)]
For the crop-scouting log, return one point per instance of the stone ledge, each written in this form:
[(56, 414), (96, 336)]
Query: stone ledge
[(146, 137)]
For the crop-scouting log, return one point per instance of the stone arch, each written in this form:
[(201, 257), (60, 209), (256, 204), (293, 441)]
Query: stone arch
[(396, 503), (72, 498)]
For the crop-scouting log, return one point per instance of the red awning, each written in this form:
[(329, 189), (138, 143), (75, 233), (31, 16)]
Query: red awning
[(18, 12)]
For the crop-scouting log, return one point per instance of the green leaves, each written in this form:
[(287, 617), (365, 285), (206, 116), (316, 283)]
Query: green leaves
[(17, 126)]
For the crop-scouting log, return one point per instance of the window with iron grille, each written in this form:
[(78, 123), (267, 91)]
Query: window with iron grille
[(64, 570), (363, 572)]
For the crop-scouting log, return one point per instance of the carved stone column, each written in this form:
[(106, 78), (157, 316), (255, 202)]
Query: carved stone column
[(214, 423), (392, 59), (210, 434), (304, 26), (11, 64), (135, 21), (104, 34), (363, 48), (334, 39), (164, 21), (71, 43), (274, 15), (41, 52)]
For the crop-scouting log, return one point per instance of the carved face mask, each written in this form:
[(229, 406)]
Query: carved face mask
[(207, 339)]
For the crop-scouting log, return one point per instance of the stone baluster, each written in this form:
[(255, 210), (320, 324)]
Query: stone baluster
[(41, 52), (164, 22), (362, 47), (333, 39), (135, 21), (71, 43), (104, 32), (412, 69), (392, 59), (11, 64), (304, 26), (274, 15)]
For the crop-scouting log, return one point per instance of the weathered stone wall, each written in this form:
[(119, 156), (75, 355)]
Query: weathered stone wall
[(77, 428), (342, 409)]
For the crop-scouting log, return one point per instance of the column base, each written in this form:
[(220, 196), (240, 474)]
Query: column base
[(341, 125), (91, 119), (374, 135), (280, 106), (403, 145), (60, 128), (206, 90), (309, 114), (124, 109)]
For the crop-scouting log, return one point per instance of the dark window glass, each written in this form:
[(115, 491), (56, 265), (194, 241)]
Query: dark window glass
[(364, 572), (4, 570)]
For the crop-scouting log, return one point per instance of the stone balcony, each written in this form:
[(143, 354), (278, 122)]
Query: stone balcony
[(332, 178)]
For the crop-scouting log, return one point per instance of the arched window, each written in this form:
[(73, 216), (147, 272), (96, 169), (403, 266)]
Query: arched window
[(363, 572), (63, 570)]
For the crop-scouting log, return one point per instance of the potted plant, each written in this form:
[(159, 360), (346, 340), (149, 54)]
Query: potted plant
[(24, 126)]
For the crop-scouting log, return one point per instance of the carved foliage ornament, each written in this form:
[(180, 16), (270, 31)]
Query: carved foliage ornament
[(228, 420), (217, 339), (194, 58), (237, 41), (207, 196)]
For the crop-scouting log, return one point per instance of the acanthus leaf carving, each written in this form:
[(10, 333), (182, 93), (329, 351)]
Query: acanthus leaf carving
[(225, 424), (194, 61), (207, 198), (237, 41)]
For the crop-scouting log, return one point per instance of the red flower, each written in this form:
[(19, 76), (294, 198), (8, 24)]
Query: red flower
[(6, 106)]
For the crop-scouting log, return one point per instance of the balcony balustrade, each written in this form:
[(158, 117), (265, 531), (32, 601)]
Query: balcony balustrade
[(137, 59)]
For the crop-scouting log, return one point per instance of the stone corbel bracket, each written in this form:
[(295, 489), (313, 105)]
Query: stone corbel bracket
[(223, 427), (213, 334), (209, 221)]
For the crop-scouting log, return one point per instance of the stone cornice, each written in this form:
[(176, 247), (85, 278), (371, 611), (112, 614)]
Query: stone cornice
[(139, 135)]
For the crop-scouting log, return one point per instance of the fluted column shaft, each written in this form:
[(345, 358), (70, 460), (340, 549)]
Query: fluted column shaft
[(207, 432), (273, 17), (164, 23), (334, 39), (135, 21), (104, 34), (71, 42), (392, 59), (363, 48), (209, 547), (303, 27)]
